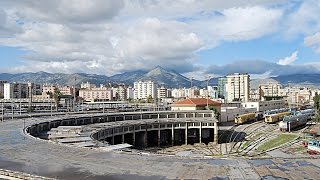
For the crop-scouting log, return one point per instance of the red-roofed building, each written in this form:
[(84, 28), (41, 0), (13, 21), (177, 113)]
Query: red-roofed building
[(195, 104)]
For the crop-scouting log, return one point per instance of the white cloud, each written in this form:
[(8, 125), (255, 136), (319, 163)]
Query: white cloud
[(313, 41), (107, 37), (289, 60)]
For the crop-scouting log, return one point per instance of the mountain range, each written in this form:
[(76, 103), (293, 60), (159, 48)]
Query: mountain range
[(165, 77)]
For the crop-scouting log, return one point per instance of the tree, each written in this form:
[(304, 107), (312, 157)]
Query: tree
[(316, 100), (56, 97), (149, 99), (215, 111)]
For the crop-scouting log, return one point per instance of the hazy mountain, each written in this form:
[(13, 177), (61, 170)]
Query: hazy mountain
[(55, 78), (299, 78), (161, 76), (128, 77), (254, 83)]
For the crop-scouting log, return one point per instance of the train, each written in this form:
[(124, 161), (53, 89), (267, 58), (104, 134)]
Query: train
[(276, 115), (248, 117), (243, 118), (297, 119)]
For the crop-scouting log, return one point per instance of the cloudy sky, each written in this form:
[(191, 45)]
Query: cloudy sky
[(193, 37)]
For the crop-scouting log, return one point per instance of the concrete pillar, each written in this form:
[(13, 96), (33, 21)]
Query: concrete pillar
[(176, 115), (146, 138), (172, 135), (122, 138), (167, 116), (186, 134), (112, 140), (158, 116), (107, 118), (200, 133), (216, 136), (185, 115), (159, 135), (203, 115), (134, 138), (194, 115)]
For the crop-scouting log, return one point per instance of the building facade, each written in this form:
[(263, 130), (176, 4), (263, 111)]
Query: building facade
[(269, 89), (144, 89), (238, 87), (222, 91), (96, 94), (21, 90)]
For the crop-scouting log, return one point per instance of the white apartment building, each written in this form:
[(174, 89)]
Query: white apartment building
[(269, 89), (96, 94), (162, 92), (238, 87), (120, 92), (87, 85), (185, 92), (143, 89), (297, 96), (130, 93)]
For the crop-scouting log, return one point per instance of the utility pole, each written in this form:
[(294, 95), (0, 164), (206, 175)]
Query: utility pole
[(191, 87), (74, 94), (209, 77), (2, 112)]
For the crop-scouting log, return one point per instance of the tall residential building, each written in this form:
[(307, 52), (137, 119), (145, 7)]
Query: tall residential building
[(21, 90), (162, 92), (269, 89), (144, 89), (2, 88), (238, 87), (120, 92), (222, 91), (130, 93)]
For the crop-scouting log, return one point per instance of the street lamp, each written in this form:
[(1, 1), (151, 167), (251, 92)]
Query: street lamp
[(209, 77)]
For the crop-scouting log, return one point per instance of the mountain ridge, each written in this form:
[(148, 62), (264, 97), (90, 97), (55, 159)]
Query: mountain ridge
[(166, 77)]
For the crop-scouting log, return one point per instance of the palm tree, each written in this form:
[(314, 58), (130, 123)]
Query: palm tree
[(56, 97)]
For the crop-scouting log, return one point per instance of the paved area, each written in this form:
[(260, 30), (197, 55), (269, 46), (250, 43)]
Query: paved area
[(43, 158)]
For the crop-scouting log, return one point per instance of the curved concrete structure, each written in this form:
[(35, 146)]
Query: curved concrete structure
[(41, 157)]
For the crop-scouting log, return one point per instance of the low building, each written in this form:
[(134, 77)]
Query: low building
[(195, 104), (96, 94), (264, 105)]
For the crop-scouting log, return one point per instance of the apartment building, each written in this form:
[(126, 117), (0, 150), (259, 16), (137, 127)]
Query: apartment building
[(269, 89), (21, 90), (96, 94), (144, 89), (238, 87)]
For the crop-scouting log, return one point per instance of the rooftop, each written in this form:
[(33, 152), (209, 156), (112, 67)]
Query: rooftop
[(198, 102)]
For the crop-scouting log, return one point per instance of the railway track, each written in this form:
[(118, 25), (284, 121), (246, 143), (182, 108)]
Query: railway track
[(232, 139)]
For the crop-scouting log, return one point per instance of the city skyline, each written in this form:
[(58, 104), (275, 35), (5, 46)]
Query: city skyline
[(195, 38)]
